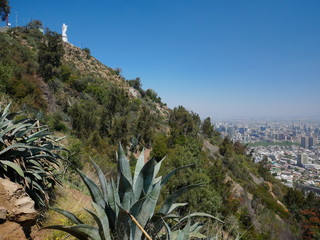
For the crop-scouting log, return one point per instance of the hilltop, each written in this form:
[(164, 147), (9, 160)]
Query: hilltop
[(96, 108)]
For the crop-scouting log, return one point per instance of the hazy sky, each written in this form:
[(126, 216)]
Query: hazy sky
[(227, 58)]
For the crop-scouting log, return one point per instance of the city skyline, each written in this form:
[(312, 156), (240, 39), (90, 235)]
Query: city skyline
[(220, 59)]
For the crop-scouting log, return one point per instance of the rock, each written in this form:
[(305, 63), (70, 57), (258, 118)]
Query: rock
[(24, 210), (19, 206), (11, 230), (3, 213)]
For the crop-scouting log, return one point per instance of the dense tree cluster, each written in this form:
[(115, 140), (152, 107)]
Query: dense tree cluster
[(4, 9)]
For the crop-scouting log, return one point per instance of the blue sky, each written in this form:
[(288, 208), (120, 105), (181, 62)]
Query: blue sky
[(223, 59)]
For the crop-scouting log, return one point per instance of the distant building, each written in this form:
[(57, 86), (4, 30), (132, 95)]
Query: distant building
[(310, 142), (231, 132), (242, 130), (282, 137), (302, 159), (304, 142)]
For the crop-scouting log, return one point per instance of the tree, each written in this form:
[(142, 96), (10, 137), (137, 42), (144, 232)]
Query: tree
[(183, 124), (50, 54), (226, 147), (159, 147), (135, 83), (207, 128), (4, 9), (34, 24)]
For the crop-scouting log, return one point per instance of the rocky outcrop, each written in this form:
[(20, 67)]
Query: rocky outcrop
[(17, 212)]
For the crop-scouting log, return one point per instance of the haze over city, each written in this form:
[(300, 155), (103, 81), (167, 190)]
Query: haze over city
[(223, 59)]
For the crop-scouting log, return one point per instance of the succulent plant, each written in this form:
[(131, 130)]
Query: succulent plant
[(126, 209), (28, 155)]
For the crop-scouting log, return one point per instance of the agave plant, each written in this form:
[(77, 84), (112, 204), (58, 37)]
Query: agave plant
[(28, 155), (126, 209)]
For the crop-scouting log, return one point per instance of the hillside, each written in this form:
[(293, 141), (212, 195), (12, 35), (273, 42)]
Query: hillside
[(96, 108)]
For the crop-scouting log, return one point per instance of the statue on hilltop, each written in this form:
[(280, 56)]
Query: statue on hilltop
[(64, 33)]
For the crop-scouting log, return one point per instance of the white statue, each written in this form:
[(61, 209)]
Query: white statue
[(64, 33)]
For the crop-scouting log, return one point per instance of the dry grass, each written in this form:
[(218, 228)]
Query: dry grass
[(69, 199)]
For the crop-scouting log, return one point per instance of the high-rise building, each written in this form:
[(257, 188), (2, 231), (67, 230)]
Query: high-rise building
[(231, 132), (304, 142), (302, 159), (310, 142)]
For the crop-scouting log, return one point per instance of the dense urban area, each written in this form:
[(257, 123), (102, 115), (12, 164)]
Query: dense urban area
[(291, 148)]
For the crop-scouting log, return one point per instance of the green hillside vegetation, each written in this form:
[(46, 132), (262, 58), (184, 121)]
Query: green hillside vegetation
[(95, 107)]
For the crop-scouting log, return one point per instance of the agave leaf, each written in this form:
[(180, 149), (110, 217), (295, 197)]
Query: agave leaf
[(80, 231), (156, 180), (102, 179), (185, 233), (9, 128), (59, 139), (200, 214), (168, 230), (194, 230), (68, 215), (157, 167), (37, 135), (110, 196), (176, 205), (136, 208), (115, 196), (4, 124), (144, 180), (35, 163), (40, 199), (147, 209), (21, 126), (139, 165), (93, 189), (170, 174), (125, 192), (172, 198), (123, 224), (103, 222), (5, 111), (38, 187), (25, 132), (13, 165), (123, 165), (23, 146)]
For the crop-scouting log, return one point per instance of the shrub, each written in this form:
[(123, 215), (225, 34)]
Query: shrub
[(28, 155)]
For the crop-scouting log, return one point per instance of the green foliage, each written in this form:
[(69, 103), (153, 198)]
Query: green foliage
[(124, 208), (35, 24), (56, 122), (226, 147), (135, 83), (203, 199), (207, 128), (87, 51), (4, 9), (263, 169), (262, 192), (159, 146), (50, 54), (153, 96), (295, 200), (85, 118), (146, 125), (28, 155), (183, 124)]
